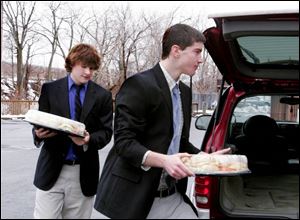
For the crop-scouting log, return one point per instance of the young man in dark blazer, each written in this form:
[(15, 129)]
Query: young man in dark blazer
[(141, 178), (67, 170)]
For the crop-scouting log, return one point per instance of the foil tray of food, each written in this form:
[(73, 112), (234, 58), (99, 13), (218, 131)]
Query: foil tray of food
[(54, 122), (217, 164)]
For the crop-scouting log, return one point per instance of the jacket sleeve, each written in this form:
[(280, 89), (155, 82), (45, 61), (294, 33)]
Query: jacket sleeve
[(131, 121), (43, 106), (102, 136)]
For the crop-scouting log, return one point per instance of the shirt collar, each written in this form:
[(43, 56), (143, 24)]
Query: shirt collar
[(171, 82), (71, 83)]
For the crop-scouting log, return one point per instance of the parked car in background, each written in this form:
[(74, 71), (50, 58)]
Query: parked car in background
[(257, 116)]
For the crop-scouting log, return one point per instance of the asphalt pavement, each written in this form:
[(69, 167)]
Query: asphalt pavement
[(18, 161)]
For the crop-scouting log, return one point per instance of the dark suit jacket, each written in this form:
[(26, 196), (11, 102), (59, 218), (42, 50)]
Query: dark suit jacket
[(143, 121), (97, 117)]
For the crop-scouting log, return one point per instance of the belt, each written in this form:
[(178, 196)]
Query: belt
[(165, 192), (71, 162)]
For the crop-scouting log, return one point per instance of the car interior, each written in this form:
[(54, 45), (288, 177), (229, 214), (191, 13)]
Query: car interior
[(258, 140), (265, 128)]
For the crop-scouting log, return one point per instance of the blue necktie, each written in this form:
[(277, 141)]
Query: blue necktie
[(176, 101), (78, 107), (71, 153), (166, 181)]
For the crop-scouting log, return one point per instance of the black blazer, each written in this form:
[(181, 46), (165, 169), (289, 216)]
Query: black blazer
[(143, 121), (97, 117)]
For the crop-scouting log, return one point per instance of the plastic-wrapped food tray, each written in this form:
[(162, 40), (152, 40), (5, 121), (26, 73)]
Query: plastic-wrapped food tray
[(54, 122), (223, 173), (217, 164)]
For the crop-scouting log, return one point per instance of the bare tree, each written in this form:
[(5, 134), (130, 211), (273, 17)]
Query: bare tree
[(150, 47), (28, 67), (130, 33), (20, 25), (50, 30), (118, 38), (149, 50), (204, 80), (100, 31), (10, 48), (129, 43), (70, 29)]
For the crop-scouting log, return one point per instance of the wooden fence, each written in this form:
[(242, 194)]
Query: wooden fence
[(20, 107)]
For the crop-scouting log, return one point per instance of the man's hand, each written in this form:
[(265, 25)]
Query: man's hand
[(81, 140), (175, 167), (44, 133), (223, 151)]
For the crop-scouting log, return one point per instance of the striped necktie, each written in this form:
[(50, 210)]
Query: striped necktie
[(71, 155), (78, 106)]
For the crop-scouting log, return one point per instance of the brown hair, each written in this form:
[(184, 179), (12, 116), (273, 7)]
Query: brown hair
[(85, 54), (182, 35)]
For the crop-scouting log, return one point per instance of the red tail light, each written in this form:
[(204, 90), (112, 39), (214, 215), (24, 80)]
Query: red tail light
[(202, 191)]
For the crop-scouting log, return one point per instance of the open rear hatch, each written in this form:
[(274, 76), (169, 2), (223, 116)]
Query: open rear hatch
[(254, 48), (258, 51)]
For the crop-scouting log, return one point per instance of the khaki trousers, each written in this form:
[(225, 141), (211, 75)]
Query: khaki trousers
[(171, 207), (65, 199)]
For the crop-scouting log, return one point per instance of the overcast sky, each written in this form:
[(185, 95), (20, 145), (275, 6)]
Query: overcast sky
[(192, 7), (186, 8)]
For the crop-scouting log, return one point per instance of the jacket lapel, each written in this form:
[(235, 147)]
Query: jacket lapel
[(163, 84), (63, 98), (184, 102), (184, 94), (89, 101)]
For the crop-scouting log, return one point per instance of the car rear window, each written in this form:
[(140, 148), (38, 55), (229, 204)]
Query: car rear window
[(282, 50), (266, 105)]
